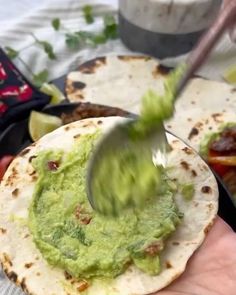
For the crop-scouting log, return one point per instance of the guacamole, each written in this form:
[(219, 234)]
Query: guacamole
[(133, 180), (127, 175), (72, 236)]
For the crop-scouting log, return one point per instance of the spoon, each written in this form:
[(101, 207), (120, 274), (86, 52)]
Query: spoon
[(119, 137)]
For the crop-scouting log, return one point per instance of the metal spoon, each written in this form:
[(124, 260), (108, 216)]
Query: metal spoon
[(118, 137)]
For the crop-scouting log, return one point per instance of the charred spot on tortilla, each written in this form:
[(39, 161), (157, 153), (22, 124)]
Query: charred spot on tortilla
[(12, 177), (160, 70), (168, 265), (67, 275), (31, 158), (83, 285), (7, 260), (23, 285), (199, 125), (233, 90), (163, 70), (29, 265), (99, 122), (187, 150), (175, 243), (184, 165), (78, 85), (193, 102), (12, 276), (33, 173), (169, 126), (206, 189), (193, 133), (77, 136), (189, 119), (217, 117), (133, 57), (24, 152), (15, 192), (67, 128), (26, 236), (3, 230), (194, 173), (91, 66)]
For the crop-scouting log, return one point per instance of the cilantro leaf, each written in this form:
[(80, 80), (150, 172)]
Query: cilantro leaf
[(56, 23), (73, 40), (11, 53), (110, 27), (76, 39), (47, 48), (40, 78), (88, 14), (99, 38)]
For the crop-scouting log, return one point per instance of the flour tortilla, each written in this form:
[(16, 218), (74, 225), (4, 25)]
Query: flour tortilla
[(115, 81), (122, 81), (22, 261)]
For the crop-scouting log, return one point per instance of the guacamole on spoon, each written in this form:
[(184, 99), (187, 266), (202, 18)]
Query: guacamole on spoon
[(125, 176)]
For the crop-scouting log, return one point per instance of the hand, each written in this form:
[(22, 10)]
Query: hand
[(212, 269)]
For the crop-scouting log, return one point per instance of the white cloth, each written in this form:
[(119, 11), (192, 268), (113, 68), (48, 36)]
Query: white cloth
[(20, 18)]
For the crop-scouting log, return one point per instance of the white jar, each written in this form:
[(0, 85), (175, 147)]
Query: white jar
[(165, 27)]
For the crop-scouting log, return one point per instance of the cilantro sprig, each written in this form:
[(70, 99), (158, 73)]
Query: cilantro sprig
[(73, 40)]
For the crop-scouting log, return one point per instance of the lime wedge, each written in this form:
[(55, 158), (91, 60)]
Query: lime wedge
[(230, 75), (41, 124), (54, 92)]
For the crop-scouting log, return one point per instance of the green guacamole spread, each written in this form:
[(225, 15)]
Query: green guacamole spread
[(71, 235)]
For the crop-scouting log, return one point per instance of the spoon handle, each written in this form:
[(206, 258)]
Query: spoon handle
[(196, 58)]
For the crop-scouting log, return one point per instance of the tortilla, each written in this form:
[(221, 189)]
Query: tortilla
[(196, 128), (121, 81), (23, 262), (115, 81)]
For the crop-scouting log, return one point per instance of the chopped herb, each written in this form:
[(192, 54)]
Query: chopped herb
[(11, 53), (40, 78), (110, 27), (88, 14), (56, 23)]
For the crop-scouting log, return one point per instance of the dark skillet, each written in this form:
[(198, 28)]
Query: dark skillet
[(16, 137)]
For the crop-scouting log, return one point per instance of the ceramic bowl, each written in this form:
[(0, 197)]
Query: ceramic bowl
[(165, 28)]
